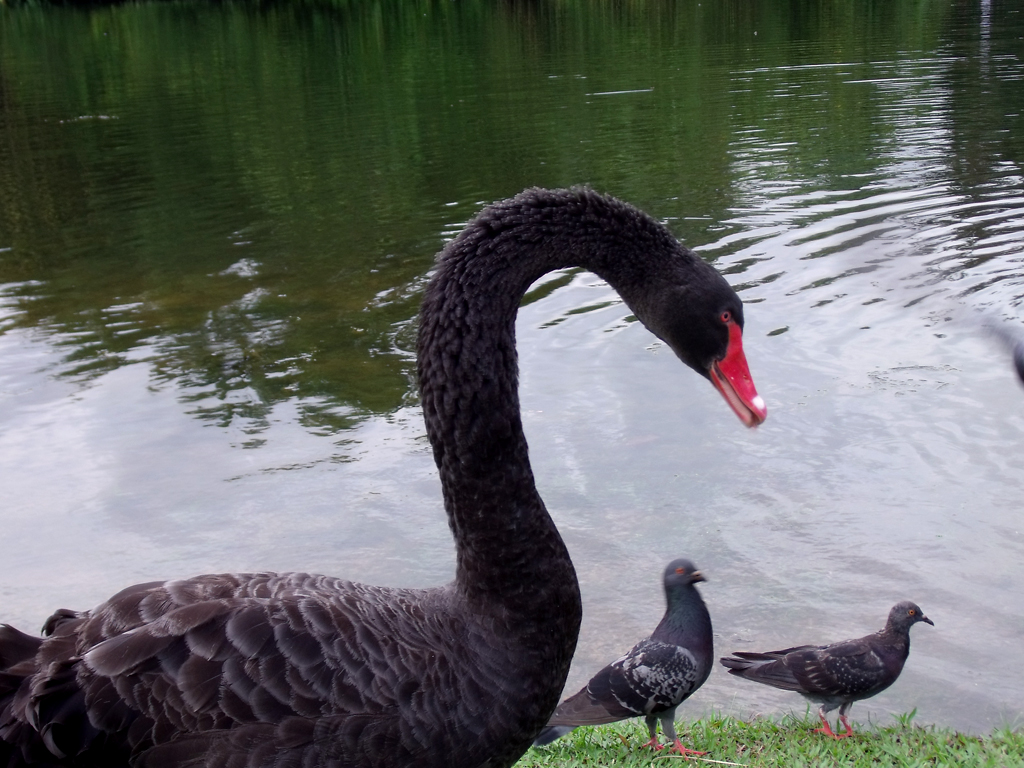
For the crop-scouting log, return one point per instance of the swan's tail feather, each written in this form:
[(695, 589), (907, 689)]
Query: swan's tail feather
[(16, 647), (44, 721)]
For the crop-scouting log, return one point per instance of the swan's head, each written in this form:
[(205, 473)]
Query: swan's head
[(702, 321)]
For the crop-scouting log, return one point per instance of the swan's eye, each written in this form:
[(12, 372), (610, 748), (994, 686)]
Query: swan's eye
[(726, 317), (681, 571)]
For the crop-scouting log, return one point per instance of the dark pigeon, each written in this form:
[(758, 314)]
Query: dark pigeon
[(656, 676), (839, 674)]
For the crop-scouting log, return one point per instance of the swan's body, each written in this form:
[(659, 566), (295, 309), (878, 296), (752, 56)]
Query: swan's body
[(261, 670)]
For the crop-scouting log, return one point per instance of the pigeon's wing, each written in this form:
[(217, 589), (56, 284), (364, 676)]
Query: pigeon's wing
[(649, 679), (847, 669), (770, 667)]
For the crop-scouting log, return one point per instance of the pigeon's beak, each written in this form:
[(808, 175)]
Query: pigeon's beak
[(926, 620), (698, 576)]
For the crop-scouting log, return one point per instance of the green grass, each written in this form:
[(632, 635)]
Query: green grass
[(785, 743)]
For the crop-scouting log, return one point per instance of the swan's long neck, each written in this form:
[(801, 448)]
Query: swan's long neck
[(506, 541), (507, 546)]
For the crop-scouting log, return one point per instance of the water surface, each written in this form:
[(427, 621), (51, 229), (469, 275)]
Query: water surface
[(215, 227)]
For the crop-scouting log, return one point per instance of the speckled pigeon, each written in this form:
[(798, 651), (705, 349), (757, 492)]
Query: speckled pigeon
[(656, 676), (839, 674)]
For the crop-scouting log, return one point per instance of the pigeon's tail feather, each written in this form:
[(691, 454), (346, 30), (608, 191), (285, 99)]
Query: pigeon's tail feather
[(741, 660), (773, 655), (551, 733), (586, 708), (765, 668)]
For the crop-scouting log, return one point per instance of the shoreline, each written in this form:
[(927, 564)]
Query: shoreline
[(785, 742)]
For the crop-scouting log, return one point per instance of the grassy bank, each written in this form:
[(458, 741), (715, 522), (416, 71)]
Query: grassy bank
[(785, 743)]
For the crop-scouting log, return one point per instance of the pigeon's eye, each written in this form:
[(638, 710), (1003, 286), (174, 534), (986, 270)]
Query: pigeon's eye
[(681, 571), (726, 317), (911, 612)]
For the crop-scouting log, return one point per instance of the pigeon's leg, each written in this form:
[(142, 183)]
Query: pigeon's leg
[(849, 729), (842, 717), (652, 727), (668, 726), (826, 728)]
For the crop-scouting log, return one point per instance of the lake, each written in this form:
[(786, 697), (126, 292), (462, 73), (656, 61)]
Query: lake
[(216, 222)]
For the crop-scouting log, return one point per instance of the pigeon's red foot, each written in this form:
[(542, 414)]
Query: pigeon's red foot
[(846, 723), (678, 747), (827, 729), (828, 732), (653, 743)]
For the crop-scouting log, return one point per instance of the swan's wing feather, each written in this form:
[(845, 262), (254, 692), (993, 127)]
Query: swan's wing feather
[(218, 653), (296, 741), (16, 646)]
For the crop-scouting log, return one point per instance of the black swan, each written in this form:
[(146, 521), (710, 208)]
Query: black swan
[(262, 669), (655, 676), (839, 674)]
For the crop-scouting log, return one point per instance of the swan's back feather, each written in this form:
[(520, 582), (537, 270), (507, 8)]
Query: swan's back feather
[(274, 659)]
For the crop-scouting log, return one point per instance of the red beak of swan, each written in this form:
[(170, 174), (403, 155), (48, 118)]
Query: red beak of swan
[(731, 377)]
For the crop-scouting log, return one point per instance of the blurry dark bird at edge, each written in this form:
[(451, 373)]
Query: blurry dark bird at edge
[(1013, 340)]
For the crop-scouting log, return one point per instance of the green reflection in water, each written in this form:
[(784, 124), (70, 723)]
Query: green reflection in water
[(249, 198)]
